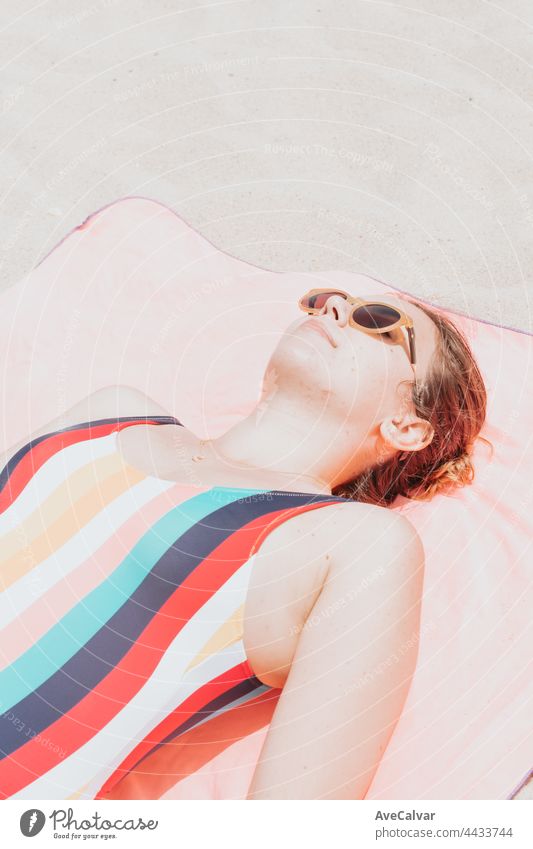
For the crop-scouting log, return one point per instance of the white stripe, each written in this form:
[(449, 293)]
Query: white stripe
[(52, 474), (81, 546), (162, 693)]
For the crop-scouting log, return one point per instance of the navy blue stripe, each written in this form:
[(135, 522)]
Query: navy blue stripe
[(84, 670), (220, 701)]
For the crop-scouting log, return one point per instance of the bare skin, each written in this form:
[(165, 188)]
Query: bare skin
[(334, 593)]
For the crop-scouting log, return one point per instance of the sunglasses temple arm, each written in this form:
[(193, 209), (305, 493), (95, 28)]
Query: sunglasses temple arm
[(412, 348)]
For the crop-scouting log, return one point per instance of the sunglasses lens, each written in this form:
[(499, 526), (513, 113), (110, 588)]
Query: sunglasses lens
[(376, 316), (317, 301)]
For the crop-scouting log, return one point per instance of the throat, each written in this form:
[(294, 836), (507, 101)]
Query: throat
[(267, 478), (172, 453)]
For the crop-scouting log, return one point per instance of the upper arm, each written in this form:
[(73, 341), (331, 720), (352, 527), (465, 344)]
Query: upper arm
[(379, 542), (118, 401), (108, 402), (351, 670)]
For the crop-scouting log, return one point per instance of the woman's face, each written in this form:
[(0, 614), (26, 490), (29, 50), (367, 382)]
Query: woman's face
[(353, 376)]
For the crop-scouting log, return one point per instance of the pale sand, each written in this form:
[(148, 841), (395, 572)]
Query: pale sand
[(312, 136), (337, 134)]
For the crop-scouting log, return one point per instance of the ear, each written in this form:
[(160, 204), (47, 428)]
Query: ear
[(406, 432)]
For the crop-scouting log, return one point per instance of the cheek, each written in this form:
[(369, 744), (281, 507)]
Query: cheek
[(366, 377), (358, 379)]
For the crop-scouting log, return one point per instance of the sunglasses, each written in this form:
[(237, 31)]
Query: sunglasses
[(371, 316)]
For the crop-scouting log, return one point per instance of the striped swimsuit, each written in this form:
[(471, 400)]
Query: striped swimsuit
[(121, 604)]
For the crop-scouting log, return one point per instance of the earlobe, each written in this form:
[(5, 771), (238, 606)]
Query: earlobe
[(429, 434)]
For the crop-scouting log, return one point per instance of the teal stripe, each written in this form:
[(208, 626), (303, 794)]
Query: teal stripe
[(81, 623)]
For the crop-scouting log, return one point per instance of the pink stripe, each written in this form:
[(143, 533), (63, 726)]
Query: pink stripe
[(47, 610)]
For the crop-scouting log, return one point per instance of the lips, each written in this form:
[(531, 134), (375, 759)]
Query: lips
[(319, 327)]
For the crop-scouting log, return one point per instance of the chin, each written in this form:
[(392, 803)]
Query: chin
[(309, 351), (298, 364)]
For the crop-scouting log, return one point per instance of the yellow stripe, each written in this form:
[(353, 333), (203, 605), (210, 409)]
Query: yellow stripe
[(68, 491), (229, 632), (86, 492), (77, 793)]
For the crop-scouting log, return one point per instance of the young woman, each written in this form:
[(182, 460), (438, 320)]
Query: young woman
[(159, 589)]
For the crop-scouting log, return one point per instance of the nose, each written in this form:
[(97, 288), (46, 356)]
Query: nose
[(338, 309)]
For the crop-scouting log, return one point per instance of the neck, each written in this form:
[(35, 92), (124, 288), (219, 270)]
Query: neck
[(285, 442)]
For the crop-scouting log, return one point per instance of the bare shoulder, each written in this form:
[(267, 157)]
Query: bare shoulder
[(347, 546), (108, 402), (346, 527), (355, 517), (347, 539), (370, 534)]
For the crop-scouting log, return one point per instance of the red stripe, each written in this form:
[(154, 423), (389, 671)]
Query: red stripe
[(175, 761), (76, 727), (37, 456), (195, 702)]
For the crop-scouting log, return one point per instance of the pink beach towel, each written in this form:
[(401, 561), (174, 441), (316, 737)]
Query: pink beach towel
[(135, 296)]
